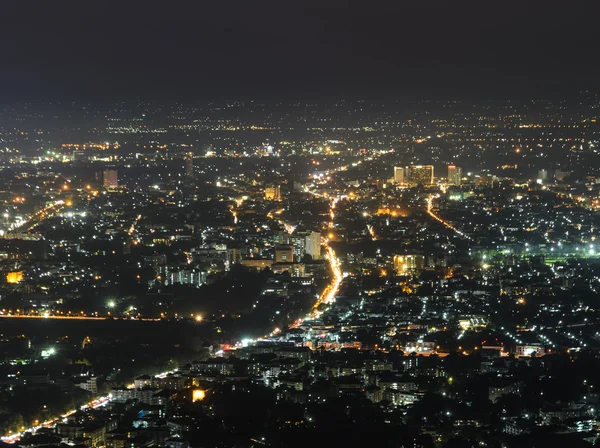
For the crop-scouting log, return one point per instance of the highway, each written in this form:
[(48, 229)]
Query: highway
[(37, 217), (95, 403), (73, 317), (49, 316), (328, 295), (431, 213), (132, 229)]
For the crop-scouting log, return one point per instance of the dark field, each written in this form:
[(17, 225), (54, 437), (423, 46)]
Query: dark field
[(173, 331)]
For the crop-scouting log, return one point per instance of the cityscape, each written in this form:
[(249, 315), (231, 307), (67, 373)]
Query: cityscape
[(290, 270)]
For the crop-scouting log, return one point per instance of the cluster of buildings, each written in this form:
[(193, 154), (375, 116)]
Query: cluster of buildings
[(422, 175), (331, 270)]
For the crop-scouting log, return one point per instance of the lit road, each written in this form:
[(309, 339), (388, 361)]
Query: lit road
[(234, 214), (332, 213), (96, 403), (131, 230), (372, 232), (43, 316), (441, 220), (233, 211), (38, 216), (71, 317), (328, 295)]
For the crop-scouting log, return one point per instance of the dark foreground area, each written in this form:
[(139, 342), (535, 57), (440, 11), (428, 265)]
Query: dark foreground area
[(175, 331)]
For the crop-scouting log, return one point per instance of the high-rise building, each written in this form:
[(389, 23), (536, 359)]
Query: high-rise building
[(273, 193), (454, 175), (543, 175), (420, 175), (110, 179), (399, 175), (298, 241), (313, 245), (303, 243), (189, 165), (405, 264)]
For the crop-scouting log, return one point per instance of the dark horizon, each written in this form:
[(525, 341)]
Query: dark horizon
[(269, 50)]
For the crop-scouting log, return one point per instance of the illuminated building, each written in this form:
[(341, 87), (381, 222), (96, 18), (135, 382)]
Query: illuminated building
[(472, 323), (414, 175), (404, 264), (90, 384), (504, 387), (400, 398), (454, 175), (304, 243), (284, 254), (420, 175), (273, 193), (399, 174), (110, 179), (299, 242), (143, 381), (295, 269), (530, 350), (198, 395), (14, 277), (313, 245), (193, 277)]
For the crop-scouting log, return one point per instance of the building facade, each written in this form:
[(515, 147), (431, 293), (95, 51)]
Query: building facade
[(454, 175)]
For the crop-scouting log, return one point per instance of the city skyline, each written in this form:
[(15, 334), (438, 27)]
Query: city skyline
[(279, 225)]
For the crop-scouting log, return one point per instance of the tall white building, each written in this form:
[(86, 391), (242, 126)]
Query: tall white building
[(454, 175), (313, 245), (90, 384), (303, 243), (399, 175)]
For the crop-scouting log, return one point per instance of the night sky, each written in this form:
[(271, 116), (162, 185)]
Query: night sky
[(296, 49)]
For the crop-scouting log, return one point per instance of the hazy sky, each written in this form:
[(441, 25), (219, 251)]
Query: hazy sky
[(291, 48)]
